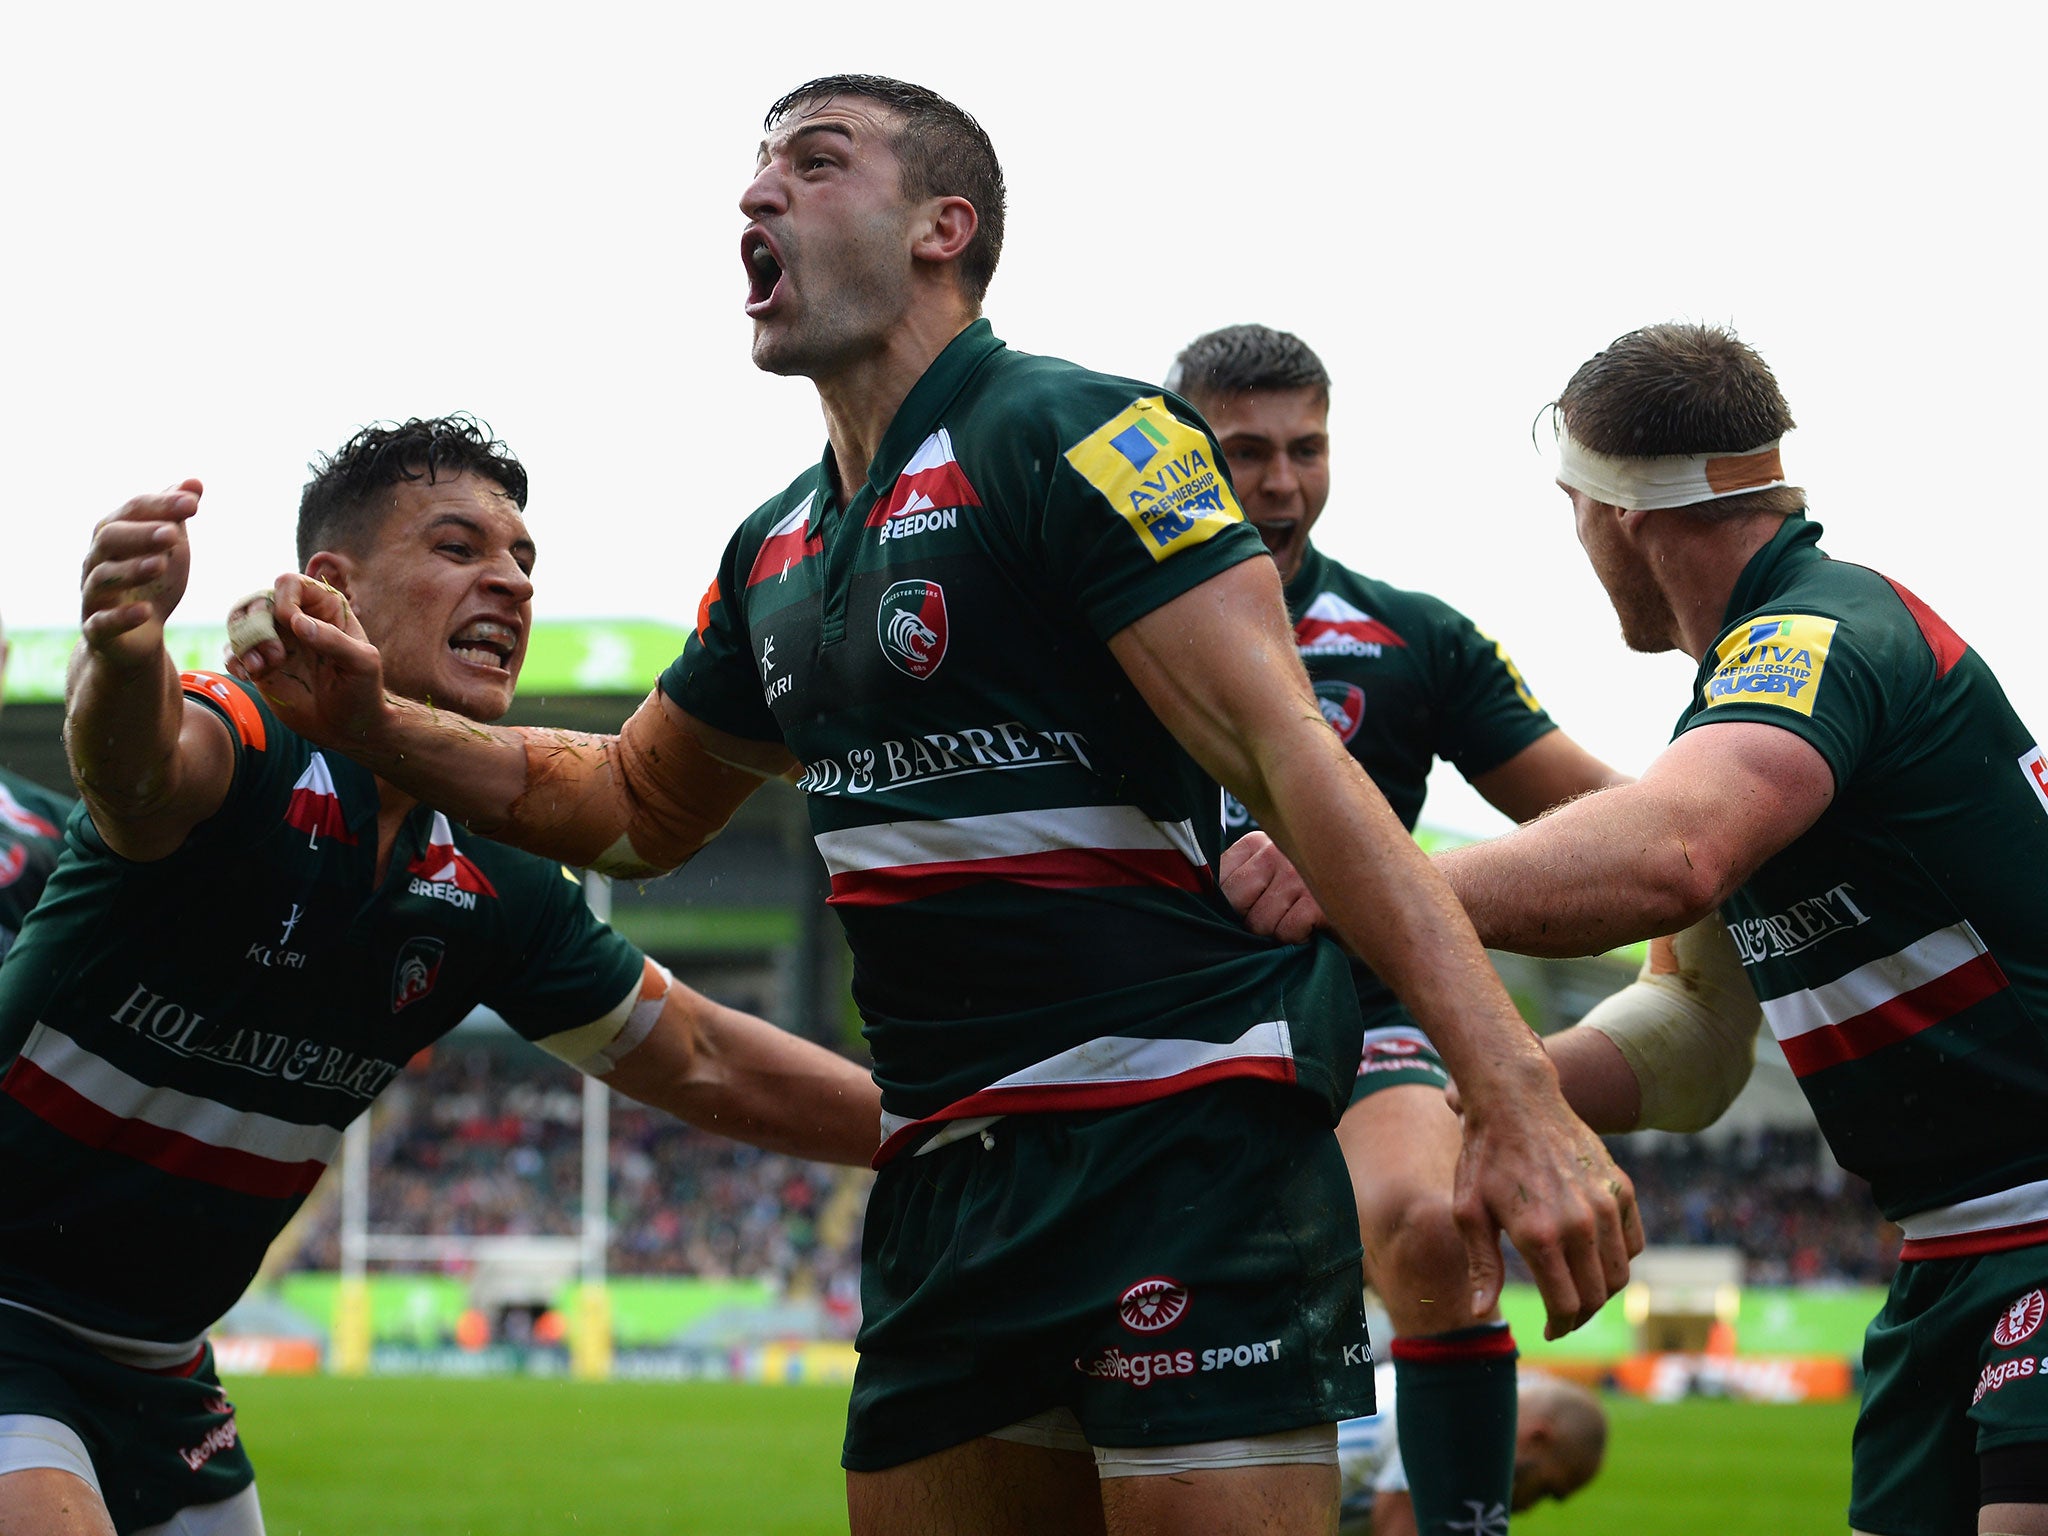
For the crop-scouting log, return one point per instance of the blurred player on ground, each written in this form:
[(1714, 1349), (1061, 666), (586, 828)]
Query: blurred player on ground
[(1559, 1442), (246, 940), (1849, 785)]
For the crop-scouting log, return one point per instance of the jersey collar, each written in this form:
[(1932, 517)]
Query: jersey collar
[(918, 417), (1794, 543)]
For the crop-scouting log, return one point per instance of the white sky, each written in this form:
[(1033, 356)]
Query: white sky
[(233, 234)]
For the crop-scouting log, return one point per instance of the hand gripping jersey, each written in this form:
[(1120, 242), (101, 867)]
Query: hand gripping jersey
[(31, 837), (185, 1040), (1404, 679), (1021, 854), (1900, 946)]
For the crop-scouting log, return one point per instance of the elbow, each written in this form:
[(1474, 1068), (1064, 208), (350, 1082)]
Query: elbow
[(1692, 887)]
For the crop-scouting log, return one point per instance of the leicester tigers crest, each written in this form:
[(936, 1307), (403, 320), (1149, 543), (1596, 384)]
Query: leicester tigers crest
[(911, 625), (418, 968)]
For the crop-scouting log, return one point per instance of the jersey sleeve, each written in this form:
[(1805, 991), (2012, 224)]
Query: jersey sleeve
[(1806, 673), (267, 758), (1140, 510), (1487, 713), (581, 992), (714, 677)]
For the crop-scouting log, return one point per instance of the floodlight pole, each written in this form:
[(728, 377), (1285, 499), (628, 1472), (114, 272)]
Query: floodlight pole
[(590, 1348), (351, 1334)]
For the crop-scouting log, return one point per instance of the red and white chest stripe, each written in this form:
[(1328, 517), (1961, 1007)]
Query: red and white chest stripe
[(94, 1102), (1109, 1073), (1888, 1000), (1068, 848)]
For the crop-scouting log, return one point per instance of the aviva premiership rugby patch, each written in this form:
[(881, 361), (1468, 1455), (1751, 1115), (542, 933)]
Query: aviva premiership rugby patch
[(1773, 659), (1160, 474)]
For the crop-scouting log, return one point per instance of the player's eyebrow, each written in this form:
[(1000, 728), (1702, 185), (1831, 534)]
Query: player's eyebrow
[(476, 530), (798, 135)]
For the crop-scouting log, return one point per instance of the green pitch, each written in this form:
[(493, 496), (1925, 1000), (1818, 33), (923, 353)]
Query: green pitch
[(543, 1458)]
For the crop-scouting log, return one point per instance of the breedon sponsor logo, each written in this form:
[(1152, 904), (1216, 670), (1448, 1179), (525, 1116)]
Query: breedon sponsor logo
[(445, 873), (929, 495)]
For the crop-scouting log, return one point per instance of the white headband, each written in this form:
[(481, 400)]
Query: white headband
[(1670, 480)]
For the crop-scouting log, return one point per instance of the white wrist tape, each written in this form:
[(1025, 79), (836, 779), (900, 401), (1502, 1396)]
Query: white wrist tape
[(1686, 1026)]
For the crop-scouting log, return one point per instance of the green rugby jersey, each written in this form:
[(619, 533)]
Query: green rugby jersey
[(31, 837), (1403, 679), (1022, 855), (1900, 946), (185, 1040)]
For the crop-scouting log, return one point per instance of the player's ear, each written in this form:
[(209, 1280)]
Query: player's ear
[(945, 228), (334, 568)]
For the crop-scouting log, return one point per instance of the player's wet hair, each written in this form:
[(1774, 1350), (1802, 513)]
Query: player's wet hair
[(944, 152), (1241, 358), (342, 505), (1681, 389)]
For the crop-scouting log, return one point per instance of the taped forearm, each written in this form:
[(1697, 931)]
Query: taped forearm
[(639, 803), (1686, 1026)]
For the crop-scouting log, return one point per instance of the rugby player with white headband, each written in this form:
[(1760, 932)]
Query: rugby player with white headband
[(1849, 786)]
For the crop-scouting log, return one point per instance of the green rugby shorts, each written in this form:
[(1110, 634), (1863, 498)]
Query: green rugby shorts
[(1175, 1272), (160, 1441), (1955, 1364)]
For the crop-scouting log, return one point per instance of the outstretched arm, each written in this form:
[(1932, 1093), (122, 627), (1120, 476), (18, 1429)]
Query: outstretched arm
[(727, 1071), (638, 803), (1217, 665), (1647, 858), (150, 765)]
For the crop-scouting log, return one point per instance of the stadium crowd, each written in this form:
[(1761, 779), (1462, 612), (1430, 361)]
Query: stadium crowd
[(482, 1142), (1774, 1194)]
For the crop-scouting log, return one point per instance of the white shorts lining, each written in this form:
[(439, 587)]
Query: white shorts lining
[(29, 1441), (1056, 1429), (241, 1515)]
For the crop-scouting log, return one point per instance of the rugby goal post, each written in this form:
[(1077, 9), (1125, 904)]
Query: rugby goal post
[(590, 1325)]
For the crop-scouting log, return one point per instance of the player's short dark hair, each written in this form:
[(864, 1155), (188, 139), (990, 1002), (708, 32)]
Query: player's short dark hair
[(1679, 388), (340, 507), (944, 152), (1241, 358)]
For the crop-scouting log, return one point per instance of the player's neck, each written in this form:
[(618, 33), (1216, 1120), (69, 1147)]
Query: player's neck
[(1697, 566), (861, 398)]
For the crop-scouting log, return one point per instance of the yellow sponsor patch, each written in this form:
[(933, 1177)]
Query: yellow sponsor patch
[(1160, 474), (1514, 673), (1772, 659)]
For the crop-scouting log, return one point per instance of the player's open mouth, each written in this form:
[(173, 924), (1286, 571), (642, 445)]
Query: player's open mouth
[(1278, 533), (486, 644), (764, 271)]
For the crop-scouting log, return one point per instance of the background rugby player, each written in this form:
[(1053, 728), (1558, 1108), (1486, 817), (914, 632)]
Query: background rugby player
[(31, 837), (1404, 679), (1850, 787)]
